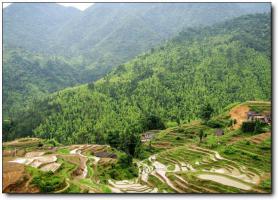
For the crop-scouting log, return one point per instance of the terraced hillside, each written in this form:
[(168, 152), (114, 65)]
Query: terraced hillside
[(176, 160)]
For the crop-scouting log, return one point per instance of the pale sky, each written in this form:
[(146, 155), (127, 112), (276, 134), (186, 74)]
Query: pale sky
[(80, 6)]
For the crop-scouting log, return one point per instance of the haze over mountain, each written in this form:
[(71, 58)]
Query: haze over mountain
[(91, 42), (109, 28)]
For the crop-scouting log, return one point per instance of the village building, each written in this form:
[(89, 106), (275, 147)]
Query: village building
[(105, 155), (254, 116), (147, 136), (219, 132)]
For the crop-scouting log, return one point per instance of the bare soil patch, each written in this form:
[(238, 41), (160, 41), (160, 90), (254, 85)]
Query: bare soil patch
[(239, 113), (15, 178)]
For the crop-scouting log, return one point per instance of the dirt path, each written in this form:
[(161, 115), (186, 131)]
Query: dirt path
[(239, 113)]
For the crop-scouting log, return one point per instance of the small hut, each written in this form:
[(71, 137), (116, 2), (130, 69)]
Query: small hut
[(105, 155), (219, 132), (253, 116)]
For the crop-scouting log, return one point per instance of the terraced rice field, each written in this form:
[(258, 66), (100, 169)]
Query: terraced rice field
[(176, 162), (182, 168)]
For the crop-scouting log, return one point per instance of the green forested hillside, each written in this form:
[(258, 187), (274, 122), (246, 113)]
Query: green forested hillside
[(29, 76), (218, 65), (88, 44)]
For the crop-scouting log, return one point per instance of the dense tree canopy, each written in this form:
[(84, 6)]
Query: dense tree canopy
[(48, 47)]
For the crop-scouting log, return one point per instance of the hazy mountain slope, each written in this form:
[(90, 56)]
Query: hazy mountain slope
[(107, 34), (222, 64), (112, 33), (31, 25)]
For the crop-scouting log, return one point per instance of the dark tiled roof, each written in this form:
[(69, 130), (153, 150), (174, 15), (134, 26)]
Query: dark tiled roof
[(219, 132), (105, 155)]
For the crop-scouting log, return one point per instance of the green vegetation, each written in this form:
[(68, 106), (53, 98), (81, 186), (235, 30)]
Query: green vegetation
[(73, 189), (206, 112), (254, 127), (99, 187), (248, 152), (46, 181), (124, 169), (266, 185), (162, 187), (242, 160), (51, 57), (63, 151), (29, 77)]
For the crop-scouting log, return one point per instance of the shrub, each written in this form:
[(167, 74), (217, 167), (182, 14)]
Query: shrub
[(47, 182), (40, 144), (212, 141), (154, 122), (253, 126), (171, 124), (178, 138), (125, 160), (214, 124), (53, 142), (229, 150), (255, 156), (248, 126), (266, 184), (206, 112)]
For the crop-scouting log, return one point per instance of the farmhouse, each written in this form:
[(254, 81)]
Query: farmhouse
[(147, 136), (104, 154), (254, 116), (219, 132)]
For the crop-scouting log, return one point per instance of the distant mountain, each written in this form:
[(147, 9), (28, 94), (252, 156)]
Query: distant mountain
[(107, 34), (218, 65), (91, 42), (31, 25)]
